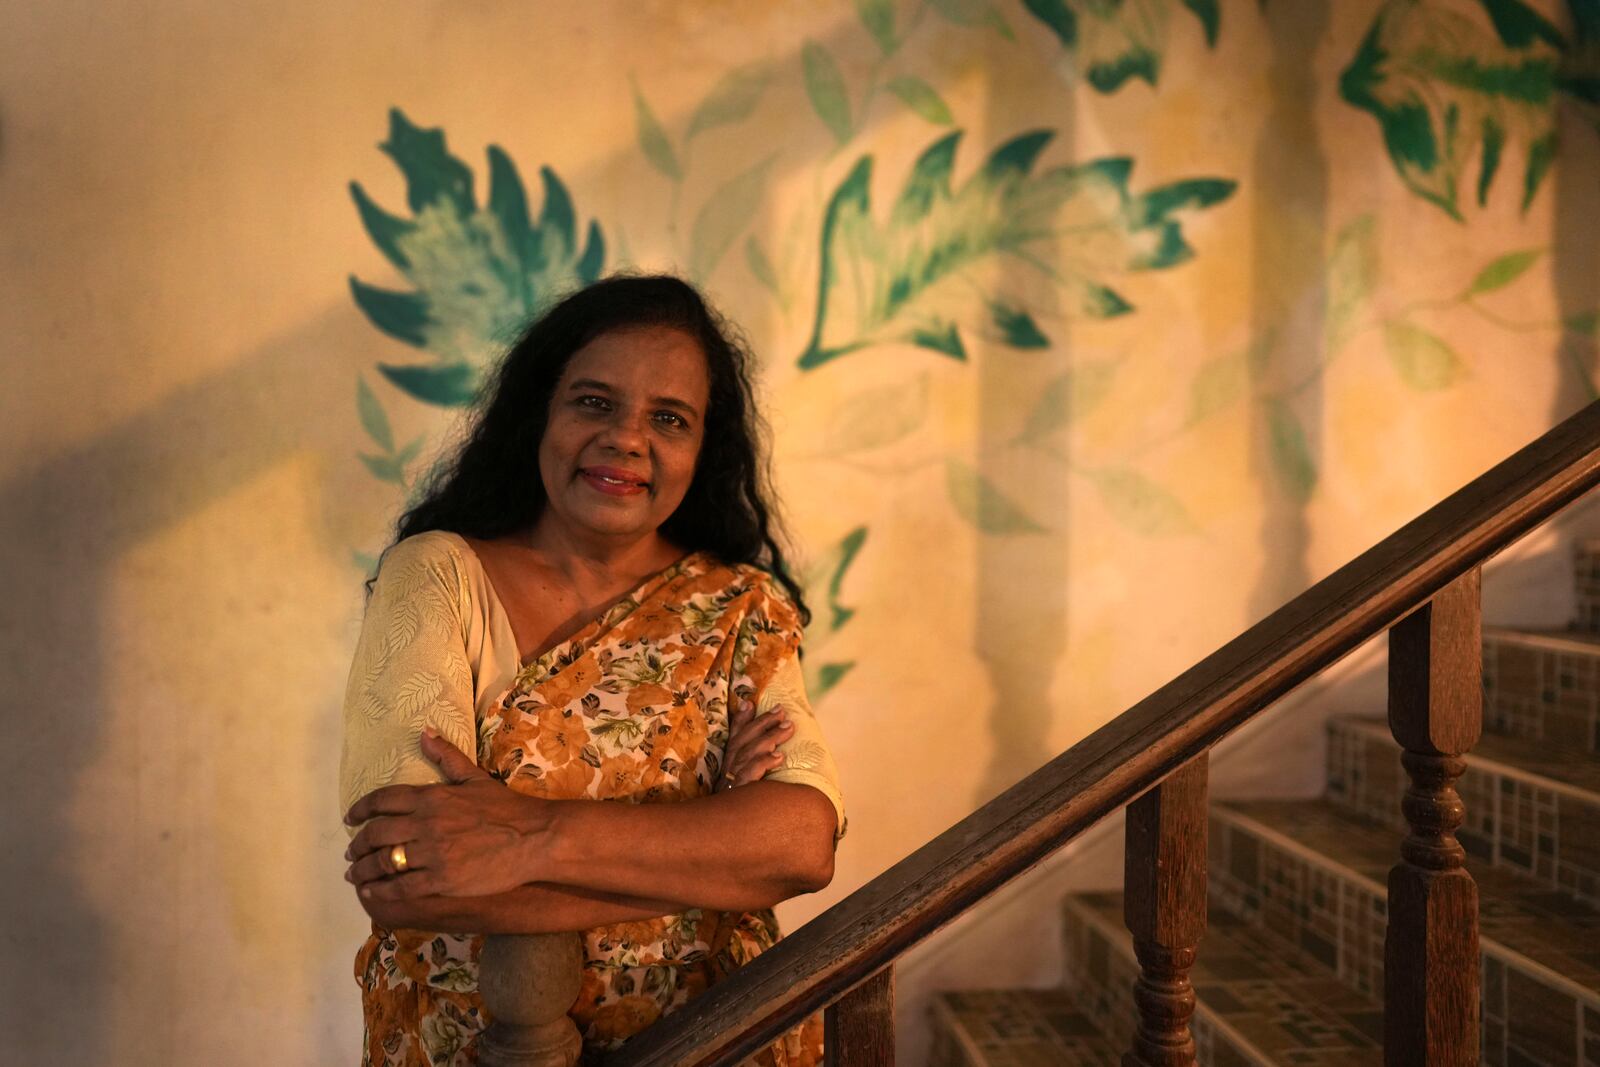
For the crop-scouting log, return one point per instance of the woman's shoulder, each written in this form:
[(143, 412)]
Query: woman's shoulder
[(433, 552), (762, 589)]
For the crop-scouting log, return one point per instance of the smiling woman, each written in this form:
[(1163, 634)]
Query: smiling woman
[(589, 603)]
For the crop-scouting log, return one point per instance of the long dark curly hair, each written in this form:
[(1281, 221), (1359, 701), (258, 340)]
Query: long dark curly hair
[(484, 489)]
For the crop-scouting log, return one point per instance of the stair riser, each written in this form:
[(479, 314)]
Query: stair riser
[(1586, 584), (1512, 821), (1545, 693), (1528, 1015)]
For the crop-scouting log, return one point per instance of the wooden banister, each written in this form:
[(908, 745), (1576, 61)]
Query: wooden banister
[(863, 934)]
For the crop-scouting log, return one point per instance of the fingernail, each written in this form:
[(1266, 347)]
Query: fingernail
[(365, 891), (347, 855), (349, 877), (430, 733)]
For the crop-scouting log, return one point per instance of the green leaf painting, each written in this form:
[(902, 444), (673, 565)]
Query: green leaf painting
[(1292, 458), (755, 257), (973, 13), (1453, 84), (374, 419), (1114, 41), (920, 97), (877, 417), (733, 99), (1068, 397), (1219, 384), (826, 89), (1422, 359), (653, 139), (1352, 275), (907, 279), (724, 216), (1138, 503), (878, 17), (1503, 270), (982, 504), (822, 582), (480, 272)]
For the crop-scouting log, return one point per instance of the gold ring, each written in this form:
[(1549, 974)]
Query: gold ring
[(397, 857)]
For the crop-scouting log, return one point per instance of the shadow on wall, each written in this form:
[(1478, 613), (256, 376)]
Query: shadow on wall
[(1290, 181), (1575, 258), (1022, 579), (66, 524)]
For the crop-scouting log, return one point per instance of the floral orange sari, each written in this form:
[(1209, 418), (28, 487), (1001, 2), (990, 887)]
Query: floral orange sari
[(633, 708)]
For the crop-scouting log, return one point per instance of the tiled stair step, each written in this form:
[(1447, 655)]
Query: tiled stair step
[(1316, 873), (1259, 1000), (1016, 1028), (1531, 806), (1543, 685)]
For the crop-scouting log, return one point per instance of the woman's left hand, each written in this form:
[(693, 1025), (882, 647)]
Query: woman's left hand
[(753, 744), (466, 837)]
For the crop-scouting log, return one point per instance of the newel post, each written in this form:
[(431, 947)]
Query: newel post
[(858, 1028), (1430, 952), (528, 981), (1164, 905)]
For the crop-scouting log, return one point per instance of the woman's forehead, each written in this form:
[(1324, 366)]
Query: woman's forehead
[(655, 356)]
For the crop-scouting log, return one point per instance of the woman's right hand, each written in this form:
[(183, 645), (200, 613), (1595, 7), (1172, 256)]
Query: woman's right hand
[(753, 744)]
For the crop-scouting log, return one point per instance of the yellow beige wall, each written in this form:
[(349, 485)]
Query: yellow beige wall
[(1054, 523)]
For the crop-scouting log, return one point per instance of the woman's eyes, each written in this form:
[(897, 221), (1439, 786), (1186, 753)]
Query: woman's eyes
[(603, 404)]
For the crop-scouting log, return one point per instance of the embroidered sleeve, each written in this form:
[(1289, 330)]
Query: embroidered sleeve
[(807, 760), (410, 670), (767, 660)]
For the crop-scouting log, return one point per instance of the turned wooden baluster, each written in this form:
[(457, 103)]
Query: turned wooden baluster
[(858, 1028), (1164, 905), (528, 981), (1430, 951)]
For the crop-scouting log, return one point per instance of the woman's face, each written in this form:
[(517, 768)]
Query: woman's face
[(624, 432)]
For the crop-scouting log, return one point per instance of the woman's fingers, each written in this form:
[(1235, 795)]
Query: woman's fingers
[(387, 863), (760, 736), (379, 834), (406, 886), (455, 764), (752, 750), (390, 800)]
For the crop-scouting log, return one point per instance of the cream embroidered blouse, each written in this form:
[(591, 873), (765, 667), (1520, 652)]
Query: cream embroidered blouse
[(437, 650)]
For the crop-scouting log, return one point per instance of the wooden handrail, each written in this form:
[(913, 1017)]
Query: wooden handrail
[(866, 931)]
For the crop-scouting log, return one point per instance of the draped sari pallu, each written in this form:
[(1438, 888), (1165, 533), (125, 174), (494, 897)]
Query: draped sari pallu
[(633, 708)]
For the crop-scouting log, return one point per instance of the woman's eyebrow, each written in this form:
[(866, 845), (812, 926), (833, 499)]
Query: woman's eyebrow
[(594, 384)]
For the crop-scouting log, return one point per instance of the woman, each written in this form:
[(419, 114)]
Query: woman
[(592, 601)]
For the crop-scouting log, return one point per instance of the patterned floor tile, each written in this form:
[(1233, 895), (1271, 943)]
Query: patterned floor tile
[(1016, 1028), (1517, 913), (1261, 999)]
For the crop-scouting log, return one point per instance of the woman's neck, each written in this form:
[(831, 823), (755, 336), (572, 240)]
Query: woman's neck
[(598, 563)]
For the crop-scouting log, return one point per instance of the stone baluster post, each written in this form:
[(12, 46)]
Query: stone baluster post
[(528, 981)]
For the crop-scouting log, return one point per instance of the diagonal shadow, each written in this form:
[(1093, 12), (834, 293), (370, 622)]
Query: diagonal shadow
[(66, 522)]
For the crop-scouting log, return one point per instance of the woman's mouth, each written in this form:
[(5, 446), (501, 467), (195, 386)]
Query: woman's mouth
[(612, 481)]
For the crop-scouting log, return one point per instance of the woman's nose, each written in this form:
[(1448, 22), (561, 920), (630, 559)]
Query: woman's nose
[(625, 433)]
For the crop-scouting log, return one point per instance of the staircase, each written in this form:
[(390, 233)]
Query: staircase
[(1290, 970)]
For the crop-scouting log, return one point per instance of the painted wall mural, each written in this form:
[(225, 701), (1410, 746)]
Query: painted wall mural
[(905, 261), (1089, 331), (1453, 84)]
